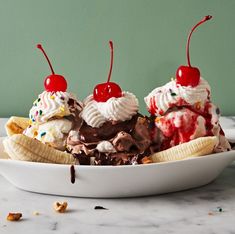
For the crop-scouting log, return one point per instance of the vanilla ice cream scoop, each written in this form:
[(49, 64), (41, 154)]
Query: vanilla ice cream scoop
[(52, 117), (53, 132)]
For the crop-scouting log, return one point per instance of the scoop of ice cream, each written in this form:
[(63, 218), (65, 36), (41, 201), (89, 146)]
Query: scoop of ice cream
[(113, 144), (54, 105), (53, 115), (183, 125), (161, 99), (180, 126), (53, 132), (123, 108)]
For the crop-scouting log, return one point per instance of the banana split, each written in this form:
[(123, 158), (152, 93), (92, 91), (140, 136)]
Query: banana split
[(107, 128)]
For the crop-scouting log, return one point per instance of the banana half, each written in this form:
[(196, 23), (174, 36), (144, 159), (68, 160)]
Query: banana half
[(16, 125), (21, 147), (198, 147)]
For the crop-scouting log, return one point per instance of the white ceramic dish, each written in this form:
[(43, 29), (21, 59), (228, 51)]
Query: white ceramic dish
[(230, 134), (119, 181)]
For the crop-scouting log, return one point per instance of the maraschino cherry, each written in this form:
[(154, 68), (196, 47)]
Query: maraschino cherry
[(53, 82), (104, 91), (188, 75)]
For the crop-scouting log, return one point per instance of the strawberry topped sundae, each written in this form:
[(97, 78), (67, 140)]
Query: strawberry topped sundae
[(182, 109)]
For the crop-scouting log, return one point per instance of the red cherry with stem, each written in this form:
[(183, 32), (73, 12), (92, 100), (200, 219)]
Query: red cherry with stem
[(104, 91), (53, 82), (188, 75)]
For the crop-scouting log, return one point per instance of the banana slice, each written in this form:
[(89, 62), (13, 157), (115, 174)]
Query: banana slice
[(21, 147), (198, 147), (16, 125)]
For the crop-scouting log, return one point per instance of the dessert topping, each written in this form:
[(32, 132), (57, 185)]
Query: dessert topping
[(188, 75), (60, 206), (14, 216), (53, 82), (104, 91)]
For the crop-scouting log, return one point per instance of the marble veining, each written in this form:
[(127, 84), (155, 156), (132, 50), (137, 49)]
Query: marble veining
[(192, 211)]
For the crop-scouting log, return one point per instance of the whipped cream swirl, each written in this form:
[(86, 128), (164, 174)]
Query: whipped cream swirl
[(173, 94), (123, 108), (54, 104)]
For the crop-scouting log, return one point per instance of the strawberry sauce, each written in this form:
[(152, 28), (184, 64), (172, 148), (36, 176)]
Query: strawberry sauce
[(182, 125)]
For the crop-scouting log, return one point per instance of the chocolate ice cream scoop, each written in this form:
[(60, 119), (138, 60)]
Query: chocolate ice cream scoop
[(108, 130), (128, 141)]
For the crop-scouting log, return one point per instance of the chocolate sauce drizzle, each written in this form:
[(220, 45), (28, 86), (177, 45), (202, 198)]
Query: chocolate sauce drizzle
[(72, 174)]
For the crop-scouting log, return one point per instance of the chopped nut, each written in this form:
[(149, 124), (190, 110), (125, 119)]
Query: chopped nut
[(198, 105), (158, 119), (146, 160), (60, 206), (36, 213), (14, 216)]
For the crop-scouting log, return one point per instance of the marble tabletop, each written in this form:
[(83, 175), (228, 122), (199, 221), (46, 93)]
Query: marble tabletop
[(205, 210)]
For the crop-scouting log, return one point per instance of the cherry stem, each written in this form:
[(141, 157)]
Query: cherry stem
[(206, 18), (39, 46), (111, 61)]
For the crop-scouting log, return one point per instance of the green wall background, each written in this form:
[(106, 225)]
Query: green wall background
[(149, 38)]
